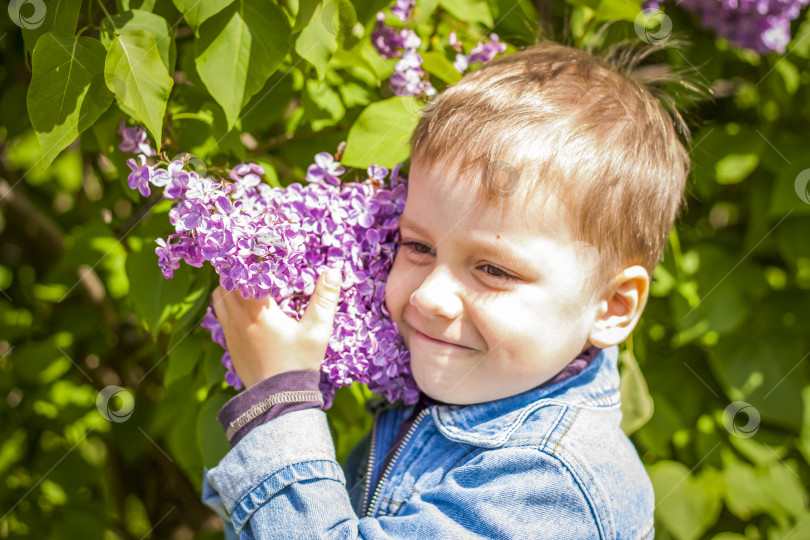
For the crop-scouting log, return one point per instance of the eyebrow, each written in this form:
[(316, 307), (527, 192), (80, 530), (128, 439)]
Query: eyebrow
[(498, 250)]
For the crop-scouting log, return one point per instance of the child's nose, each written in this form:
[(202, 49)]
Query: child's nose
[(438, 295)]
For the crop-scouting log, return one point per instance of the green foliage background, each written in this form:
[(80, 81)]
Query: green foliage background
[(84, 306)]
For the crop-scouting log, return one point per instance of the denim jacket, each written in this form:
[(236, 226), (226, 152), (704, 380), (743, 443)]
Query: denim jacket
[(551, 463)]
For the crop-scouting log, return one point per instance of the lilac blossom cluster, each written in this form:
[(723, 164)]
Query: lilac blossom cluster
[(483, 52), (408, 79), (760, 25), (134, 140), (272, 241)]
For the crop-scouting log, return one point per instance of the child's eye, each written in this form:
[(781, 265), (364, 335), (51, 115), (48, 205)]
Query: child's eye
[(414, 246), (493, 271), (500, 274)]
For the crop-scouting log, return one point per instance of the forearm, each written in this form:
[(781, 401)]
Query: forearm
[(282, 477)]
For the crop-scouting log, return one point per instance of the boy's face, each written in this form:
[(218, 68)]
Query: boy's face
[(499, 337)]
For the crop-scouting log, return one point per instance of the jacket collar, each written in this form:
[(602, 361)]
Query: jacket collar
[(491, 424)]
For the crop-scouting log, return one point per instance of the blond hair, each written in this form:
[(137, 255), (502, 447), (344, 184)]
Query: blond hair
[(555, 120)]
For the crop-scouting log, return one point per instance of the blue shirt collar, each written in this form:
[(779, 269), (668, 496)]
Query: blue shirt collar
[(491, 424)]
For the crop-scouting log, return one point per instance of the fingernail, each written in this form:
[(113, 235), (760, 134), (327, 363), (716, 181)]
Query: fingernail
[(333, 277)]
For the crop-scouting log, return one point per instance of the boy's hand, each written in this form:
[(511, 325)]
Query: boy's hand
[(264, 341)]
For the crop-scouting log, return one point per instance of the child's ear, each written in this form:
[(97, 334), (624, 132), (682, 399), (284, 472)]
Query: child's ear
[(621, 309)]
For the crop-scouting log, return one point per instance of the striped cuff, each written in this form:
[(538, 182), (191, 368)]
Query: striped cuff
[(269, 399)]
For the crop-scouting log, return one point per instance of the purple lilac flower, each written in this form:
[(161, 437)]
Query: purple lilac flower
[(389, 42), (271, 241), (409, 78), (140, 176), (325, 170), (403, 8), (377, 173), (759, 25), (167, 259), (483, 52), (134, 140), (174, 180)]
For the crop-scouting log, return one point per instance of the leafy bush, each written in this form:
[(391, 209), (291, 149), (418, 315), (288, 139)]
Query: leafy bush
[(111, 388)]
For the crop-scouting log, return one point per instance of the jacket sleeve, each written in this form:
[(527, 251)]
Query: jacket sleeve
[(282, 479)]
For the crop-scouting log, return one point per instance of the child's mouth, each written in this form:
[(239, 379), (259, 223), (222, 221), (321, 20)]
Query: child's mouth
[(424, 337)]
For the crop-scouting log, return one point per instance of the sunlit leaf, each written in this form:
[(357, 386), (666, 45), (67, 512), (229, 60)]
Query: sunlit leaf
[(382, 133), (238, 49), (67, 93), (135, 72)]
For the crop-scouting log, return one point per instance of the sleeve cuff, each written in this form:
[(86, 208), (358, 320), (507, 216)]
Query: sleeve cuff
[(293, 440), (269, 399)]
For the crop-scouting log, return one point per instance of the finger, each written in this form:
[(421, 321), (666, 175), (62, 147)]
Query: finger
[(320, 313), (218, 303)]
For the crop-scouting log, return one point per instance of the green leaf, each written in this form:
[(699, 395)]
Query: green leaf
[(316, 44), (734, 168), (626, 10), (774, 490), (185, 352), (140, 80), (348, 418), (268, 105), (196, 12), (804, 438), (438, 65), (59, 17), (182, 436), (469, 11), (790, 192), (723, 298), (306, 9), (686, 504), (40, 362), (382, 133), (355, 61), (517, 21), (155, 298), (760, 368), (67, 93), (143, 20), (211, 437), (636, 403), (191, 310), (322, 102), (361, 11), (238, 49), (213, 371), (12, 449), (126, 5)]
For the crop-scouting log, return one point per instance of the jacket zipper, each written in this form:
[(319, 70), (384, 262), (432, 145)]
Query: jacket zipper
[(371, 454), (384, 476)]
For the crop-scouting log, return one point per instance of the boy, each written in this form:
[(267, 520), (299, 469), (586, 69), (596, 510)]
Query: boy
[(540, 196)]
